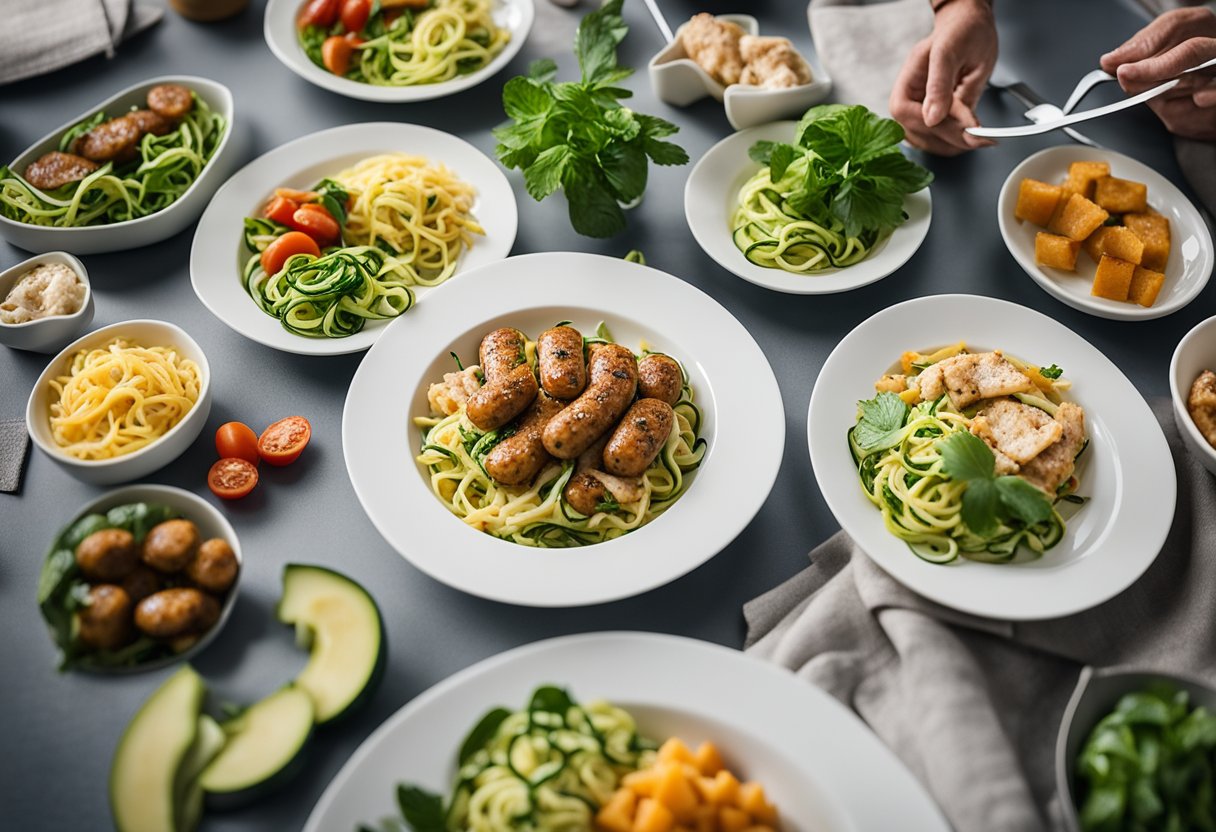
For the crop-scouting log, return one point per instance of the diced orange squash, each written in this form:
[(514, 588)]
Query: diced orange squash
[(675, 749), (676, 793), (731, 819), (1055, 251), (721, 789), (1037, 201), (1120, 242), (1121, 196), (1078, 219), (1083, 175), (709, 760), (1154, 231), (1146, 285), (618, 813), (1113, 278), (759, 827), (653, 816), (683, 829), (643, 782), (1093, 243), (707, 818), (753, 801)]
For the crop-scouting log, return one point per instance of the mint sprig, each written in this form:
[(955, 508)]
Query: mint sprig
[(989, 500), (882, 419)]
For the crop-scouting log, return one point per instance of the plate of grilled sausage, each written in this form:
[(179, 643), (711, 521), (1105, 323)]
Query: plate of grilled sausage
[(550, 443)]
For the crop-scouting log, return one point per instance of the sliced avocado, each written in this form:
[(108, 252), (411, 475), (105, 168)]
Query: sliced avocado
[(207, 744), (263, 749), (341, 624), (151, 752)]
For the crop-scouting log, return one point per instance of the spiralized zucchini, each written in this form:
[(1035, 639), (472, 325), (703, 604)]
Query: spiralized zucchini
[(166, 168)]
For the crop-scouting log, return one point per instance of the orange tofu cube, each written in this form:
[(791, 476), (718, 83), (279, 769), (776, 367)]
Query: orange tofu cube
[(653, 816), (731, 819), (643, 782), (1082, 177), (1154, 231), (1121, 196), (1121, 243), (707, 818), (1078, 219), (676, 793), (709, 760), (1146, 285), (675, 750), (617, 814), (753, 801), (1055, 251), (1037, 201), (721, 789), (1093, 243), (1113, 279)]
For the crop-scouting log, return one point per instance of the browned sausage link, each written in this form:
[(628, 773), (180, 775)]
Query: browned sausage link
[(107, 555), (501, 352), (105, 622), (499, 402), (113, 140), (170, 100), (660, 377), (54, 170), (520, 457), (150, 122), (613, 381), (175, 612), (584, 492), (639, 437), (559, 358)]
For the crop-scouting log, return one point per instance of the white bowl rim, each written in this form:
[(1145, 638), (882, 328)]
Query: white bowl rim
[(1177, 393), (32, 263), (55, 452)]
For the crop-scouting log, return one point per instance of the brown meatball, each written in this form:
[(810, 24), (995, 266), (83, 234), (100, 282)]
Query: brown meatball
[(176, 612), (660, 377), (215, 566), (170, 545), (105, 622), (54, 170), (107, 555), (112, 140), (170, 100), (141, 583)]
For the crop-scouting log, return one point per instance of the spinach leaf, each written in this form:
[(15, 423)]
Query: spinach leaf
[(422, 810), (482, 733)]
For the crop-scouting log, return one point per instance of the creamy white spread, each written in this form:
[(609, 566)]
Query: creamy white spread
[(46, 290)]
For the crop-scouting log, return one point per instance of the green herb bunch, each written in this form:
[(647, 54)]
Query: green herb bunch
[(575, 135)]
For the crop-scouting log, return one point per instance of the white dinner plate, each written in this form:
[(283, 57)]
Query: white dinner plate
[(819, 764), (279, 29), (1126, 473), (712, 195), (218, 253), (744, 426), (1186, 272)]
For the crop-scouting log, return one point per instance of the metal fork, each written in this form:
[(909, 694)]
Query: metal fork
[(1039, 108)]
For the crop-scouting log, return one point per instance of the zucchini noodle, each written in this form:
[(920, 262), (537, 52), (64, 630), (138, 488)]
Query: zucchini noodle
[(453, 37), (119, 398), (771, 234), (166, 168)]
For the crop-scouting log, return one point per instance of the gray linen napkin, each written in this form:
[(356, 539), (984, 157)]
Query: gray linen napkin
[(971, 705), (40, 36), (14, 444)]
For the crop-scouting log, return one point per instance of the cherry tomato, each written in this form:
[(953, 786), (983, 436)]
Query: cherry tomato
[(323, 13), (336, 53), (355, 14), (236, 439), (282, 442), (293, 242), (280, 210), (298, 197), (317, 223), (232, 478)]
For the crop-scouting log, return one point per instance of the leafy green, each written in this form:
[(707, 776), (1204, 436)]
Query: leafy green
[(1052, 372), (422, 810), (855, 173), (334, 198), (882, 418), (551, 700), (989, 501), (635, 255), (609, 504), (575, 136), (482, 733)]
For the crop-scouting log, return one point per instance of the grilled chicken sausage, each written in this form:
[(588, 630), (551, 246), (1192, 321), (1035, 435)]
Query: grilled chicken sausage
[(638, 438), (171, 545), (613, 381), (170, 100), (584, 492), (54, 170), (660, 377), (559, 357), (519, 458), (112, 140), (175, 612), (105, 622), (510, 383), (107, 556), (151, 122), (214, 567)]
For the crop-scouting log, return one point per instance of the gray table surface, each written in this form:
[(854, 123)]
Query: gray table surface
[(58, 731)]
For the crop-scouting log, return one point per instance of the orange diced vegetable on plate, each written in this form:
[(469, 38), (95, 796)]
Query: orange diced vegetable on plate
[(1154, 231), (676, 793), (1121, 196), (1113, 278), (753, 801), (732, 819), (1121, 243), (1078, 219), (643, 782), (1145, 286), (675, 749), (653, 816), (1037, 201), (722, 788), (617, 814), (1055, 251), (709, 760), (1083, 175), (1093, 243)]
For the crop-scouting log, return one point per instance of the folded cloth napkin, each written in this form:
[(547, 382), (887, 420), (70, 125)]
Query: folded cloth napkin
[(972, 705), (14, 443), (40, 36)]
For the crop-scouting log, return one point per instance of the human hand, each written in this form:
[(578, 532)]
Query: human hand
[(941, 81), (1175, 41)]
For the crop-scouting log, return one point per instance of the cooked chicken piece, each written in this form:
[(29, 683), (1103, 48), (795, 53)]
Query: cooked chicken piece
[(772, 63), (448, 396), (54, 170), (1017, 430), (1053, 466), (714, 45), (624, 489), (1202, 405), (971, 377), (891, 383)]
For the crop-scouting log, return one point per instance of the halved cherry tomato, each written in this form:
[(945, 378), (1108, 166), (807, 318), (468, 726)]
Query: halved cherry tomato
[(293, 242), (317, 223), (236, 439), (336, 52), (232, 478), (323, 13), (355, 14), (298, 197), (282, 442), (280, 210)]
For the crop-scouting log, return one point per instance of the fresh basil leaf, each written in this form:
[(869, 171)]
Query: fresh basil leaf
[(544, 175), (482, 733), (542, 70), (551, 699), (894, 174), (524, 99), (1052, 372), (664, 153), (1103, 807), (621, 124), (779, 161), (57, 571), (1144, 708), (814, 114), (594, 212), (762, 151), (624, 166), (862, 206), (81, 529), (966, 457), (1023, 500), (596, 40), (979, 511), (654, 127), (882, 419), (422, 810)]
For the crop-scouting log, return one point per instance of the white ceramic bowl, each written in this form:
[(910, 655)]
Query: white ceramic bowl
[(1191, 255), (149, 458), (211, 523), (279, 29), (118, 236), (51, 333), (679, 80), (1195, 353)]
